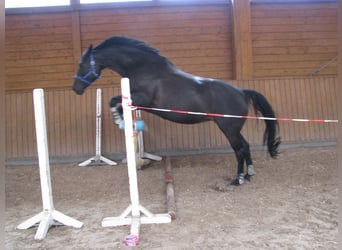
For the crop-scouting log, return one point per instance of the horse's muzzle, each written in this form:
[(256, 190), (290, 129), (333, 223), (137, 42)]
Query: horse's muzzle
[(78, 88)]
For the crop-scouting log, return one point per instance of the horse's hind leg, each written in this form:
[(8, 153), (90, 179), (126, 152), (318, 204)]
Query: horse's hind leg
[(239, 145), (241, 153), (248, 158)]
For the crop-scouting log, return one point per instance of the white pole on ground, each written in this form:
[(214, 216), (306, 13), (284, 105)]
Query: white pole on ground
[(49, 216), (98, 158), (134, 208)]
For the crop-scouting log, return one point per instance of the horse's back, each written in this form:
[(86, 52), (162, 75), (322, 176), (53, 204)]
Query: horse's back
[(227, 98), (212, 95)]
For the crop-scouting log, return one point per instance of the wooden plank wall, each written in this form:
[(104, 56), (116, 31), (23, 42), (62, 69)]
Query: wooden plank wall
[(288, 40), (38, 51), (293, 39), (71, 121)]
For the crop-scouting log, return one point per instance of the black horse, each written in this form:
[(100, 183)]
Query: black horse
[(156, 82)]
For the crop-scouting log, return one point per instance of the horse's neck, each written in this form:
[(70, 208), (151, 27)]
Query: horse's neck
[(129, 64)]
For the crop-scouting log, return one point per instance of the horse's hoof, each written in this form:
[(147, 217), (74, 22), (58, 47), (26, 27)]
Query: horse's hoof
[(239, 180), (142, 163), (235, 183), (248, 177)]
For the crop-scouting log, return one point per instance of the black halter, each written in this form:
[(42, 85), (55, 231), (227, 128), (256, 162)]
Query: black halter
[(92, 71)]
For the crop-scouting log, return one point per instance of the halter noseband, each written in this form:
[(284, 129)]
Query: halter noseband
[(92, 71)]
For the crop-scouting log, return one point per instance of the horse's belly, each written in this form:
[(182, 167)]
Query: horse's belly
[(181, 117)]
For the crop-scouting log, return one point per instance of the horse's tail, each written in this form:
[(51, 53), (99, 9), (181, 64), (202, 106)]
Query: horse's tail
[(261, 105)]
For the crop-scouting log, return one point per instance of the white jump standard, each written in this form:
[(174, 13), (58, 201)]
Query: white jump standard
[(98, 158), (141, 152), (143, 158), (49, 216), (139, 214)]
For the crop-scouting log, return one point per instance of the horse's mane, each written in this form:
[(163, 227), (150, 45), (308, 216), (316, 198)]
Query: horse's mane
[(127, 41)]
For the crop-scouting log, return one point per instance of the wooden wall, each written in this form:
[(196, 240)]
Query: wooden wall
[(71, 121), (288, 39), (39, 51), (293, 39)]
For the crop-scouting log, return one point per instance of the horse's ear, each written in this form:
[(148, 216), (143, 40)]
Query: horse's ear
[(89, 49)]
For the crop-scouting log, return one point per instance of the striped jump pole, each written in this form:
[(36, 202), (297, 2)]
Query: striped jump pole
[(185, 112)]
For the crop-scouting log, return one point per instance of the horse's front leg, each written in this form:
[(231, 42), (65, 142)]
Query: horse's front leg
[(116, 109)]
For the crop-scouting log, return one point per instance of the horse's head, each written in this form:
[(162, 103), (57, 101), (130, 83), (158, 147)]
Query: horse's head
[(87, 73)]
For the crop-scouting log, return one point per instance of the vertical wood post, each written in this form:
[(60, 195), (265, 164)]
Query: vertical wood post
[(76, 32), (243, 59), (170, 194), (3, 144)]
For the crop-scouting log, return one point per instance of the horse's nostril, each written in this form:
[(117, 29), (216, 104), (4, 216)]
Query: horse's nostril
[(77, 91)]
